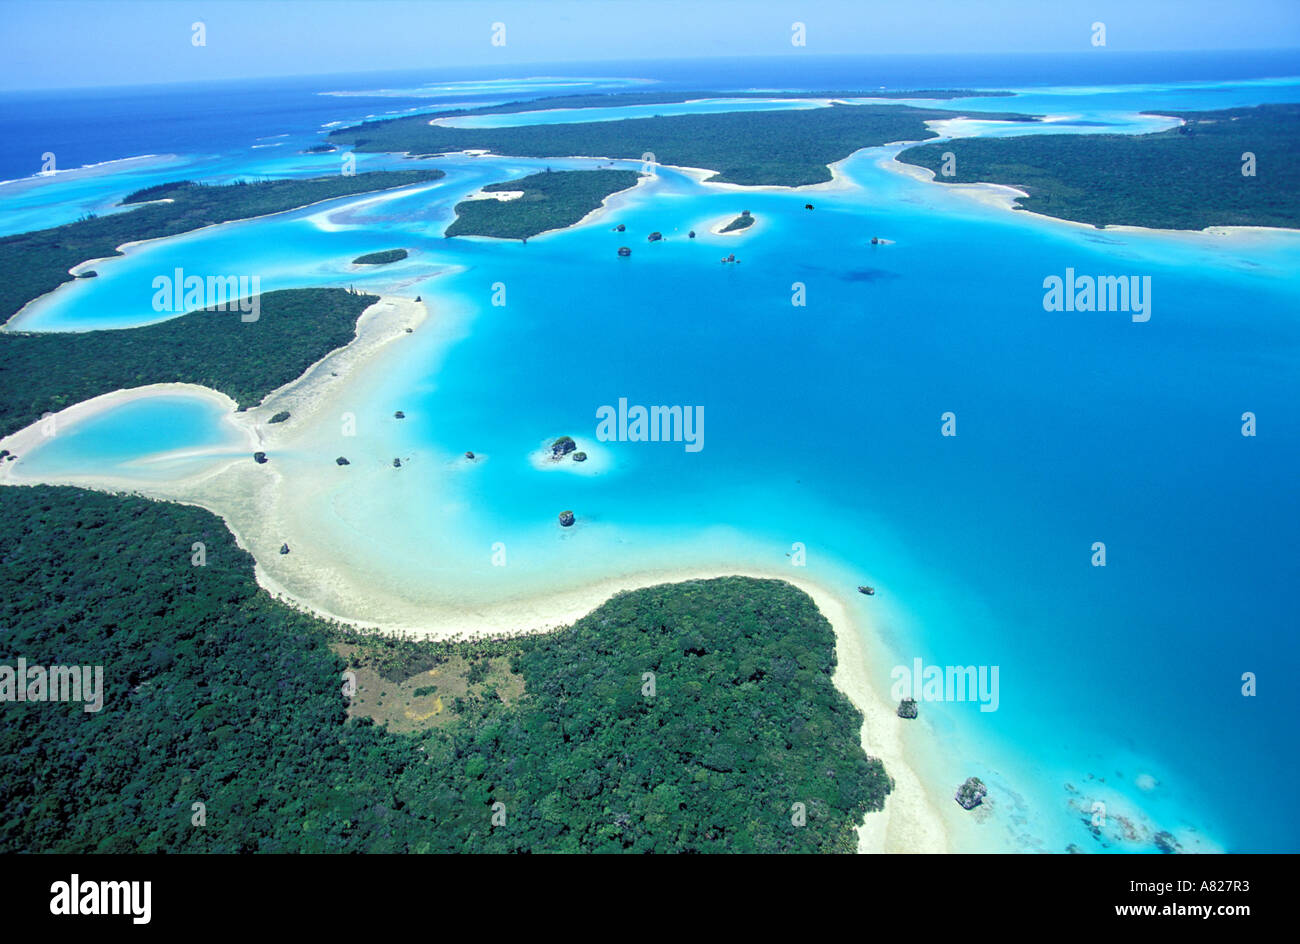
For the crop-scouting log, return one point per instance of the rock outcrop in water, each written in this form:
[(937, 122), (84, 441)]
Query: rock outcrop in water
[(399, 415), (1166, 843), (971, 793), (284, 548), (562, 447), (259, 457), (624, 251), (655, 236), (579, 457), (397, 463), (566, 519), (907, 708), (342, 460), (469, 456), (279, 417)]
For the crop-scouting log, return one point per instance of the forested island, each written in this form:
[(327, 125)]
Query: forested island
[(37, 262), (224, 728), (1188, 177), (744, 221), (621, 99), (380, 258), (50, 370), (549, 200), (785, 148)]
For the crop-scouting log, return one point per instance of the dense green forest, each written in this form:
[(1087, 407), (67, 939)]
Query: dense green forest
[(1184, 178), (49, 370), (380, 258), (788, 148), (623, 99), (551, 200), (217, 694), (34, 263)]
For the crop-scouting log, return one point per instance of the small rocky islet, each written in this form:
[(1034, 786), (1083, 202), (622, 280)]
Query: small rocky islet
[(744, 221), (971, 793)]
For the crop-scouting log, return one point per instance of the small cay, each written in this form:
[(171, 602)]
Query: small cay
[(380, 258), (744, 221)]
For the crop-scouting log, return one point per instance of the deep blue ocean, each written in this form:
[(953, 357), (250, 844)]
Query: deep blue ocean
[(1119, 684)]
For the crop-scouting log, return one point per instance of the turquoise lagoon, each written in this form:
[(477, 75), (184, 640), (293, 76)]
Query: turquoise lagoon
[(146, 440), (822, 427)]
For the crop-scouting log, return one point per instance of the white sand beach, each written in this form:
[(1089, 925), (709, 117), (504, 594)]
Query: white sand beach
[(32, 437), (609, 205), (254, 501), (1003, 197), (994, 195), (15, 322)]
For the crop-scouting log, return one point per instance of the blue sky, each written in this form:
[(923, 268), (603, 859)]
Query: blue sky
[(73, 43)]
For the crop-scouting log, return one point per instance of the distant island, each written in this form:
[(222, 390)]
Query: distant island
[(46, 371), (37, 262), (1188, 177), (784, 148), (623, 99), (380, 258), (548, 200), (741, 731)]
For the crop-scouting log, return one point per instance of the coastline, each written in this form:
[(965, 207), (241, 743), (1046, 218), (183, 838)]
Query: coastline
[(610, 203), (11, 323), (607, 206), (1005, 197), (29, 437), (247, 497), (839, 182)]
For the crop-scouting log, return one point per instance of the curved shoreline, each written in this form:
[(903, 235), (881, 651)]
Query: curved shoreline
[(245, 497), (10, 324), (1007, 197)]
